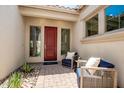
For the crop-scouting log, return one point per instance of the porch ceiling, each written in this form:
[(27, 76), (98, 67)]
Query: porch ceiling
[(50, 12)]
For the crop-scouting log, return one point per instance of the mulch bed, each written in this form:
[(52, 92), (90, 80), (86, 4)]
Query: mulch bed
[(29, 80)]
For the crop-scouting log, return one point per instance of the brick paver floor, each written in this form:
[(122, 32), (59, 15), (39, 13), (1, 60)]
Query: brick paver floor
[(56, 76)]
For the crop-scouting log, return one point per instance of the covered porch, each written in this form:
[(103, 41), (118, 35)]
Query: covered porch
[(33, 27), (53, 26)]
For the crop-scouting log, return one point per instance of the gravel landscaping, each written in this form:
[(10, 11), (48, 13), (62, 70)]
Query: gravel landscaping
[(28, 80)]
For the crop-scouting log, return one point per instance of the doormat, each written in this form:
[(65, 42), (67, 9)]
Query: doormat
[(50, 63)]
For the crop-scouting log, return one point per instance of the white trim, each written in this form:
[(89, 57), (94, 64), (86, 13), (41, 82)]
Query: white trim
[(117, 35), (91, 13), (52, 8), (114, 31), (48, 14)]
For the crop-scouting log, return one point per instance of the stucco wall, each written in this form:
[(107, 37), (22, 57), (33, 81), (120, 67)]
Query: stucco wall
[(111, 51), (48, 13), (11, 40), (42, 23)]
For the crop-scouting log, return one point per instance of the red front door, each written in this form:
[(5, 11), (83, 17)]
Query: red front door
[(50, 43)]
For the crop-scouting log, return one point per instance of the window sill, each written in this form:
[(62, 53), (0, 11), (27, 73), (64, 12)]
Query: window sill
[(117, 35)]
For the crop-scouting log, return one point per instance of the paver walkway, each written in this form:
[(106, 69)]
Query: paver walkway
[(56, 76)]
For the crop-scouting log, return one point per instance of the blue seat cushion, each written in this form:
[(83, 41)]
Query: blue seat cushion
[(78, 72), (67, 61), (106, 64)]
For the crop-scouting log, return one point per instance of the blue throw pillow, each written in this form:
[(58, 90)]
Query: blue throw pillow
[(106, 64)]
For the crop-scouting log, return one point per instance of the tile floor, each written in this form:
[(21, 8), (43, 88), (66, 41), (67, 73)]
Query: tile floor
[(56, 76)]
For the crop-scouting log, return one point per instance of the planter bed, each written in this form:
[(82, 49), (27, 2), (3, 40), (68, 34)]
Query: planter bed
[(28, 79)]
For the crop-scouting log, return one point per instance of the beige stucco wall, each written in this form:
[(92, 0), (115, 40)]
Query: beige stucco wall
[(111, 51), (11, 40), (42, 22), (48, 13)]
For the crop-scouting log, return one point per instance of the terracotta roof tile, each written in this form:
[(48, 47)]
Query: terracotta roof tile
[(66, 7)]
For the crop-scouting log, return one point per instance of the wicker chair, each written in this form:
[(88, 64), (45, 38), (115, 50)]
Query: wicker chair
[(102, 78)]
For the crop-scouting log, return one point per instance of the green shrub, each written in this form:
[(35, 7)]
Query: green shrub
[(26, 68), (15, 80)]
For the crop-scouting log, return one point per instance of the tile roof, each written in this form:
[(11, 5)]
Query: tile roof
[(69, 7)]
